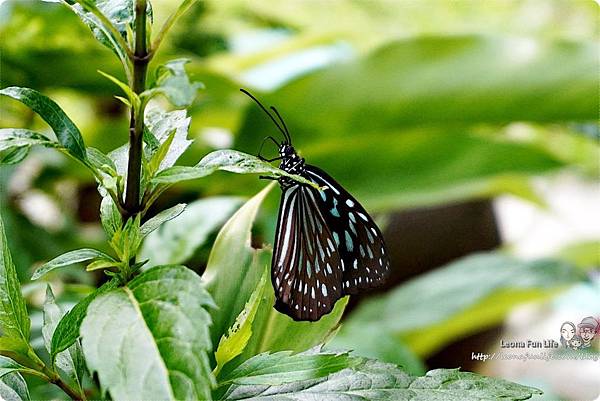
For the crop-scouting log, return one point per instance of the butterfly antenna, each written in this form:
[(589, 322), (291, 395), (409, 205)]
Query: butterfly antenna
[(287, 132), (244, 91)]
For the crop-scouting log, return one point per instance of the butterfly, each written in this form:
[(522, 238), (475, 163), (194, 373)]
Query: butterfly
[(326, 244)]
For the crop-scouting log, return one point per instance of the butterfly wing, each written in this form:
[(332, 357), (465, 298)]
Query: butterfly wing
[(357, 237), (306, 267)]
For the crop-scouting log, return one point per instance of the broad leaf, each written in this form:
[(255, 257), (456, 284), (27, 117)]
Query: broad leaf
[(67, 330), (161, 353), (14, 321), (226, 160), (13, 388), (161, 218), (284, 367), (67, 133), (234, 268), (173, 82), (373, 380), (177, 240), (233, 343), (69, 258), (71, 360), (428, 310)]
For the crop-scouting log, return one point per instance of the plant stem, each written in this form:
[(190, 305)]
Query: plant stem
[(51, 376), (141, 58)]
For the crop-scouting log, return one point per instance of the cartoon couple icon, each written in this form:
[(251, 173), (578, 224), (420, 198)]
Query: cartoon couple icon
[(569, 337)]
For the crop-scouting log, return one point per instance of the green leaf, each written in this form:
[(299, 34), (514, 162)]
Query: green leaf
[(13, 388), (467, 295), (161, 353), (173, 82), (234, 268), (71, 360), (161, 125), (8, 366), (14, 321), (373, 380), (16, 138), (126, 242), (110, 217), (134, 99), (67, 330), (118, 13), (69, 258), (177, 240), (13, 155), (233, 343), (103, 264), (162, 217), (227, 160), (275, 369), (66, 131)]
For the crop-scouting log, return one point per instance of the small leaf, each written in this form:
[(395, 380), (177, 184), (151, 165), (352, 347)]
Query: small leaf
[(66, 131), (131, 95), (161, 353), (363, 379), (227, 160), (16, 137), (69, 258), (7, 366), (173, 82), (160, 126), (14, 321), (162, 217), (67, 330), (126, 242), (71, 360), (178, 239), (232, 344), (110, 217), (13, 388), (13, 155), (102, 264)]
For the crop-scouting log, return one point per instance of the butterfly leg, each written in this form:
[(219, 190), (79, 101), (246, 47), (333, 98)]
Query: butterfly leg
[(265, 177), (263, 144)]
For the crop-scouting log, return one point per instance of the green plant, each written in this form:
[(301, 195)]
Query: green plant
[(159, 331)]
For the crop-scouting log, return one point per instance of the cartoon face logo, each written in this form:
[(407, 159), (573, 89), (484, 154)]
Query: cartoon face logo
[(576, 342), (587, 330), (567, 332)]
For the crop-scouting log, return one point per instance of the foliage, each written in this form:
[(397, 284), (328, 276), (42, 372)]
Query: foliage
[(434, 113)]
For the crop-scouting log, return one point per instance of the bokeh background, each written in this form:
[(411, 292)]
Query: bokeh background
[(468, 128)]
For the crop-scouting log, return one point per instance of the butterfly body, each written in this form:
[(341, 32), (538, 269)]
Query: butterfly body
[(326, 244)]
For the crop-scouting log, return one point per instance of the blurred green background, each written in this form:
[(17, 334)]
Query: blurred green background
[(470, 130)]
